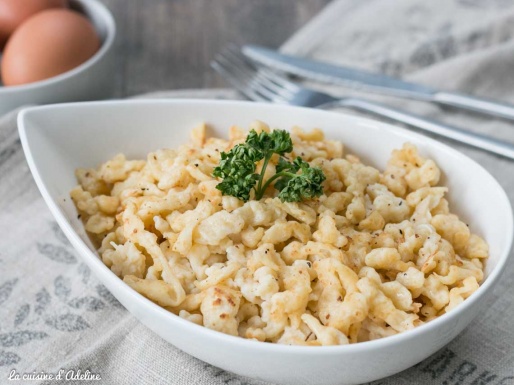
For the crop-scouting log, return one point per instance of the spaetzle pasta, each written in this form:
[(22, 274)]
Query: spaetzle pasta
[(377, 254)]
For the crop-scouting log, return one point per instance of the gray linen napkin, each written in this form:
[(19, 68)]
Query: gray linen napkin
[(55, 316)]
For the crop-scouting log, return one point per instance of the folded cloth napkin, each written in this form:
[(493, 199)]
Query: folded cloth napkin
[(55, 316)]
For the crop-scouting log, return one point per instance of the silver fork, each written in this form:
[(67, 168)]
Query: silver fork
[(261, 84)]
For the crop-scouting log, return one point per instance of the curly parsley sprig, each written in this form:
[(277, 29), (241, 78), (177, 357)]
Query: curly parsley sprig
[(295, 180)]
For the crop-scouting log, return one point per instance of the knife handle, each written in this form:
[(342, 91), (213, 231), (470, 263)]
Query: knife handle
[(473, 103), (475, 140)]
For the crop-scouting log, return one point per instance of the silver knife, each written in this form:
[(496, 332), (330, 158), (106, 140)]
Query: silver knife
[(351, 77)]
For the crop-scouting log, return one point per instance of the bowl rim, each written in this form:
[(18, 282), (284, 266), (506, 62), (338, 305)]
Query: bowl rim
[(108, 22), (103, 272)]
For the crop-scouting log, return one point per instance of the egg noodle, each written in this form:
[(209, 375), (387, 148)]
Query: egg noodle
[(377, 254)]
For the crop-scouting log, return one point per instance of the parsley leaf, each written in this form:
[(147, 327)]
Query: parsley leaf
[(298, 187), (238, 167)]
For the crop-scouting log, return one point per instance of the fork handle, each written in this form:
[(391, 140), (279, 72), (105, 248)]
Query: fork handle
[(468, 102), (475, 140)]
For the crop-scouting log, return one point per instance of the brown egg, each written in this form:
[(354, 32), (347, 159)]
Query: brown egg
[(48, 44), (14, 12)]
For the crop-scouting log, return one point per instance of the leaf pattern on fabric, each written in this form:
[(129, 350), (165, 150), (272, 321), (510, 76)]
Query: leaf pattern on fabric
[(20, 338), (88, 303), (21, 314), (62, 287), (227, 377), (59, 234), (67, 322), (85, 272), (42, 301), (107, 296), (6, 289), (10, 151), (8, 358), (56, 253)]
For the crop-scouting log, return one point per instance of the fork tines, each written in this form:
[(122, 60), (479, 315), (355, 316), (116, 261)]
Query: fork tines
[(253, 82)]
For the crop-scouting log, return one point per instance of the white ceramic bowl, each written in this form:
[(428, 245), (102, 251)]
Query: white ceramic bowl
[(91, 80), (59, 138)]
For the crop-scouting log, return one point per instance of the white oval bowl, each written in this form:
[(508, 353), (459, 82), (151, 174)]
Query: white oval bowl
[(57, 139), (91, 80)]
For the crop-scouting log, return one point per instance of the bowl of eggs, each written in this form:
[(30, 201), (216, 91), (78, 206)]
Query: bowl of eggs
[(54, 51)]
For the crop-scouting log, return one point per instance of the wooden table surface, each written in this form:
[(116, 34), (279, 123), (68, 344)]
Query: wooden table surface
[(167, 44)]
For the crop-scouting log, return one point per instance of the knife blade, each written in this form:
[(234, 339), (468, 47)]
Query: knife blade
[(373, 82)]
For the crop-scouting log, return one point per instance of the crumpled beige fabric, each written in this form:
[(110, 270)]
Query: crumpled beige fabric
[(55, 315)]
